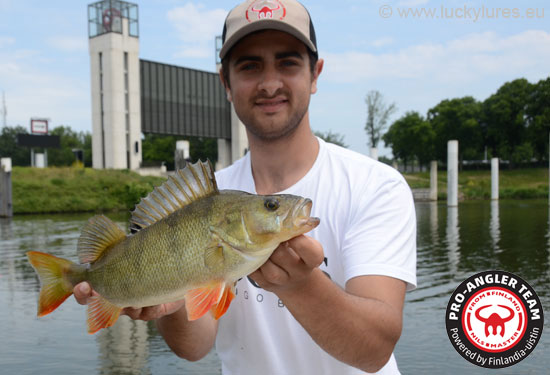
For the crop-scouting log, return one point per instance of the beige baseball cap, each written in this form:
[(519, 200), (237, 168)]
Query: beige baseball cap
[(253, 15)]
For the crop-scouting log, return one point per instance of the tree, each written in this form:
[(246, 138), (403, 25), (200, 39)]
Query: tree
[(68, 140), (504, 120), (378, 114), (330, 137), (538, 118), (160, 148), (411, 137), (457, 119), (20, 156)]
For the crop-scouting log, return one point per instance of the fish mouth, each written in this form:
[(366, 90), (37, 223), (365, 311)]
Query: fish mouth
[(301, 215)]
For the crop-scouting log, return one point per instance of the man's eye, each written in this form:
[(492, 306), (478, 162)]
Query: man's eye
[(250, 66), (289, 63)]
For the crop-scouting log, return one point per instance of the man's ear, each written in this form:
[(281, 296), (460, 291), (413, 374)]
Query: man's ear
[(316, 72), (226, 86)]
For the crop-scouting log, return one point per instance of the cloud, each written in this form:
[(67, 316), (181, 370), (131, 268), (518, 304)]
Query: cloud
[(197, 27), (384, 41), (465, 59), (32, 90), (6, 41), (68, 43)]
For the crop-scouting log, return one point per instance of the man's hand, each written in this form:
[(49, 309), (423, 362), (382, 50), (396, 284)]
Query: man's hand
[(290, 265), (83, 292)]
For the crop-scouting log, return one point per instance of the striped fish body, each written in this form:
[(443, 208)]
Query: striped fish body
[(193, 242)]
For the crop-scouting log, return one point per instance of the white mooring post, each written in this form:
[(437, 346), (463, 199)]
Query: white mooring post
[(433, 180), (452, 173), (181, 155), (494, 178), (39, 160), (6, 202)]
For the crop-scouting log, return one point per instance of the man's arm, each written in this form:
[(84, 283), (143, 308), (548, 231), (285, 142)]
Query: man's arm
[(359, 325), (191, 340)]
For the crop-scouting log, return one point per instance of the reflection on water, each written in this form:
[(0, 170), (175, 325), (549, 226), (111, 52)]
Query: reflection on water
[(58, 343), (123, 348), (548, 242), (453, 239), (453, 243), (494, 227), (473, 237)]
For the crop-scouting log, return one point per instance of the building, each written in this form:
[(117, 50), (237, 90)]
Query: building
[(132, 96)]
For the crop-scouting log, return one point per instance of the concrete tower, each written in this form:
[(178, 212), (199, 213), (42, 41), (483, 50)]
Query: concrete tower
[(229, 151), (113, 32)]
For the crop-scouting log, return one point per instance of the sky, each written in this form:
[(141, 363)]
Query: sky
[(415, 52)]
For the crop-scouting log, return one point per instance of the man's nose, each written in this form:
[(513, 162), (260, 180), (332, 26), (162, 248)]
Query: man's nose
[(270, 81)]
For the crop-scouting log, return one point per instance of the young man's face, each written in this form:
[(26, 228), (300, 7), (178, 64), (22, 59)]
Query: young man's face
[(271, 83)]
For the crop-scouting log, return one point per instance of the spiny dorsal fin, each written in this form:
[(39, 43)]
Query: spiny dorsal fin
[(98, 235), (189, 184)]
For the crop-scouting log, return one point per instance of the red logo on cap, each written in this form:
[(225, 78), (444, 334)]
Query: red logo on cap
[(265, 9)]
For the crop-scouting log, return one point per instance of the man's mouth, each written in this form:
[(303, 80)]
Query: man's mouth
[(271, 105)]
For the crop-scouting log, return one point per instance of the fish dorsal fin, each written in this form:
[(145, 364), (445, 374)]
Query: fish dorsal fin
[(189, 184), (99, 234)]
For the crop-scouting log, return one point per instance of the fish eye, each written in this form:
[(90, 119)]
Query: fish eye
[(271, 204)]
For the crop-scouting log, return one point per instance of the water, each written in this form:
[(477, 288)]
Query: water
[(452, 245)]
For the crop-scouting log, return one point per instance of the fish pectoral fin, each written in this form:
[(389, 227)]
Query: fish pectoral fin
[(223, 238), (213, 256), (101, 314), (222, 306), (212, 296)]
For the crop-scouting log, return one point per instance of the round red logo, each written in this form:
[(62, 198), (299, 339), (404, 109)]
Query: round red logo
[(494, 319)]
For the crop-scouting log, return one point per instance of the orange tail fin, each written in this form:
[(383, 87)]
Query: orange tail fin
[(52, 272)]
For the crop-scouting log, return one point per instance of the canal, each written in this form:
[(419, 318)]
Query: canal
[(453, 244)]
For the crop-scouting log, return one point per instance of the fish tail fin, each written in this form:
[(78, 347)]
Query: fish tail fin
[(53, 273)]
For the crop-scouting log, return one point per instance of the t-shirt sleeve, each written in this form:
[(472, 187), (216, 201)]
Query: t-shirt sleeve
[(381, 235)]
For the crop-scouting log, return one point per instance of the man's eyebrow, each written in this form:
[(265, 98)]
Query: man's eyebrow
[(284, 55), (247, 58), (278, 56)]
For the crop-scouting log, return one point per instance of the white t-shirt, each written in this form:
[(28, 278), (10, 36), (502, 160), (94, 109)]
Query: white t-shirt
[(368, 227)]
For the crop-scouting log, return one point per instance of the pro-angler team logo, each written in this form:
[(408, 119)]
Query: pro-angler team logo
[(494, 319)]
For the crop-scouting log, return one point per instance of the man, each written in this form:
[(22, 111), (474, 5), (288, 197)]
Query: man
[(330, 302)]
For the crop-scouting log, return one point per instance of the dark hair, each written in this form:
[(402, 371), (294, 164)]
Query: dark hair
[(313, 58)]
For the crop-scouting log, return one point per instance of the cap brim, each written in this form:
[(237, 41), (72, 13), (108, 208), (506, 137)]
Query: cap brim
[(265, 25)]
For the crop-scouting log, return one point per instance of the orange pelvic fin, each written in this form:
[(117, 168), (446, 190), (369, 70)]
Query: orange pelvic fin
[(222, 306), (215, 296), (101, 314), (52, 272)]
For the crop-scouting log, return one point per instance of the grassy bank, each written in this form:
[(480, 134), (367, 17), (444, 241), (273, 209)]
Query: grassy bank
[(77, 190), (513, 184), (89, 190)]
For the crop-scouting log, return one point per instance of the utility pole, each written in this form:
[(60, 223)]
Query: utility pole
[(4, 110)]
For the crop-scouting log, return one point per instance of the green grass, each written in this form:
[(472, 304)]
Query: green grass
[(77, 190), (528, 183), (91, 190)]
